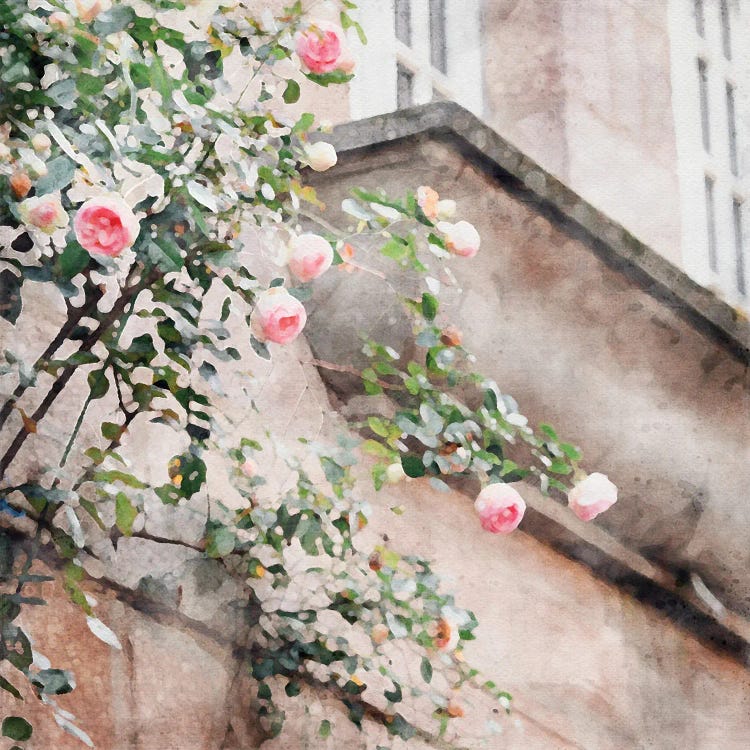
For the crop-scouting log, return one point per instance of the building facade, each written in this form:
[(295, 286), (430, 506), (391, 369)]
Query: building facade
[(640, 106)]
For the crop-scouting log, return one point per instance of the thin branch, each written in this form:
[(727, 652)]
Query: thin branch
[(75, 314), (351, 371), (67, 373)]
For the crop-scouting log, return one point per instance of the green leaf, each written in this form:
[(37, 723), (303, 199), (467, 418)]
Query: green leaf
[(125, 513), (429, 306), (72, 260), (412, 466), (111, 431), (53, 681), (5, 685), (115, 19), (115, 475), (98, 383), (324, 730), (220, 541), (291, 92), (292, 688), (304, 123), (378, 426), (60, 172), (548, 431), (264, 692), (426, 669), (10, 296), (165, 255), (325, 79), (570, 451), (89, 85), (16, 728)]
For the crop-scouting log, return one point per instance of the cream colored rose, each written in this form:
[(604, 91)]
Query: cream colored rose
[(320, 156), (45, 213)]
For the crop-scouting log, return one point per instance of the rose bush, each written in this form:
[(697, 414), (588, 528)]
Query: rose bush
[(151, 193)]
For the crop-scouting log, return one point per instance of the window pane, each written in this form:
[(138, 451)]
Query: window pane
[(700, 23), (703, 89), (711, 224), (732, 124), (403, 21), (726, 30), (404, 87), (438, 51), (739, 247)]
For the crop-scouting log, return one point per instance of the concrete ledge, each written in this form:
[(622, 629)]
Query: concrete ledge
[(488, 150)]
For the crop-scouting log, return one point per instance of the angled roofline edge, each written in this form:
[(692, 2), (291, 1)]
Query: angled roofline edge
[(612, 242)]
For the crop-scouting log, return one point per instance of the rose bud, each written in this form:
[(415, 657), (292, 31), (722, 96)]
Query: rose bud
[(446, 209), (592, 496), (380, 633), (311, 256), (395, 472), (427, 199), (500, 508), (455, 709), (451, 336), (461, 238), (322, 48), (445, 634), (60, 21), (45, 213), (41, 142), (320, 156), (277, 316), (249, 468), (106, 225), (88, 10), (20, 184)]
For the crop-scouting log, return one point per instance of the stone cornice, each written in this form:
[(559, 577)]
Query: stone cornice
[(613, 243)]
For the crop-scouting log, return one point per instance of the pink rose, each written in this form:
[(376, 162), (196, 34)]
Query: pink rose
[(322, 48), (592, 496), (249, 468), (277, 316), (44, 212), (428, 201), (500, 508), (106, 225), (311, 256), (461, 238)]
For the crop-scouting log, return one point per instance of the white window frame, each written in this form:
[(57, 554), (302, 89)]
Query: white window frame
[(695, 163), (373, 90)]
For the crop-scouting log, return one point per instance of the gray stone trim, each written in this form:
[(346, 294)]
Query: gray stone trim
[(612, 242)]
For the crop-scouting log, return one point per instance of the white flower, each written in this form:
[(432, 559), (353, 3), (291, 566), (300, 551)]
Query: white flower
[(320, 156)]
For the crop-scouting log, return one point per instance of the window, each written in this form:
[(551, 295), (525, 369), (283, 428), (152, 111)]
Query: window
[(402, 13), (710, 98), (700, 22), (703, 93), (732, 130), (726, 29), (710, 222), (419, 51), (739, 247), (438, 46)]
